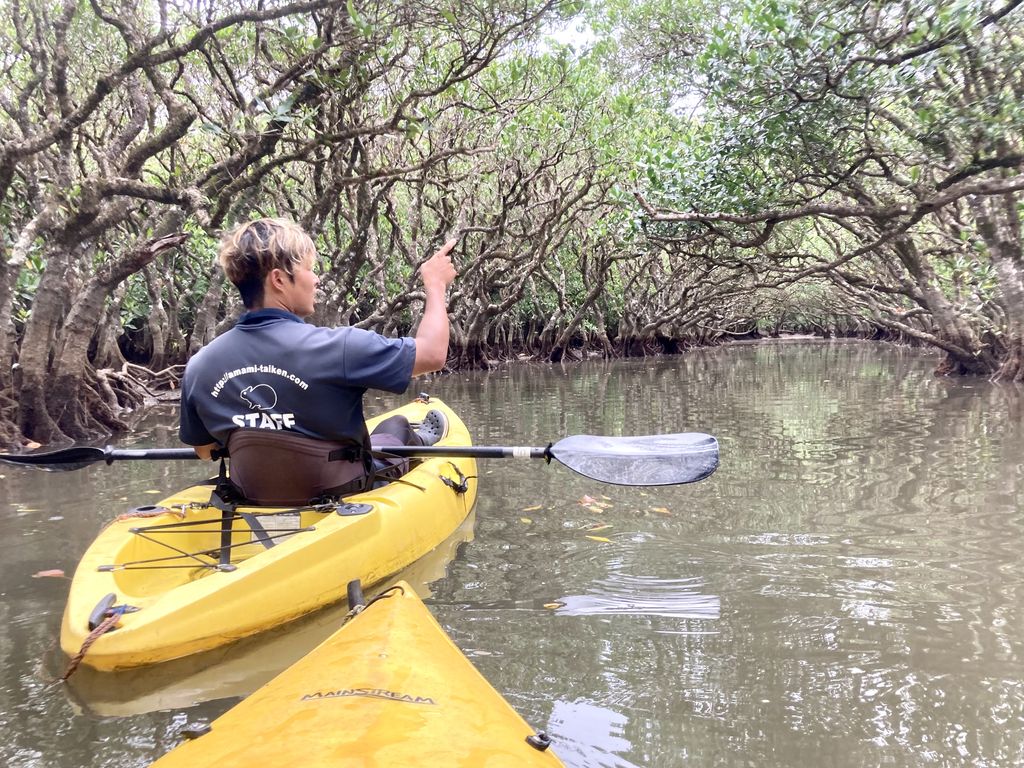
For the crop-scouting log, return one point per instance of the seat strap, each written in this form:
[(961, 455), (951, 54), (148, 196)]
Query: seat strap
[(221, 498), (257, 529)]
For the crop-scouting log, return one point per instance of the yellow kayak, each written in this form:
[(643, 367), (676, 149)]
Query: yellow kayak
[(177, 580), (387, 689), (235, 671)]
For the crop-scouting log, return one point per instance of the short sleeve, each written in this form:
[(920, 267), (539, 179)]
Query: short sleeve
[(190, 428), (378, 362)]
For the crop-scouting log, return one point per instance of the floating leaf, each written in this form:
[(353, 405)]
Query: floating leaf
[(660, 510), (599, 527), (525, 520), (534, 508), (600, 538), (554, 606), (587, 500), (594, 508), (154, 493), (54, 573)]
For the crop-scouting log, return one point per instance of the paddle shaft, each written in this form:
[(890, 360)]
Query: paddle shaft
[(468, 451), (409, 451), (86, 456), (148, 454)]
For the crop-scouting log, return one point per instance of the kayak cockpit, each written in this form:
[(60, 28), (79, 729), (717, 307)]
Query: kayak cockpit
[(195, 540)]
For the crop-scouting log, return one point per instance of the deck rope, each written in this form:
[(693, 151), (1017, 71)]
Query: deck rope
[(105, 626)]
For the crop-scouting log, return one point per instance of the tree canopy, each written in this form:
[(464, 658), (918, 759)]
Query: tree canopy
[(685, 172)]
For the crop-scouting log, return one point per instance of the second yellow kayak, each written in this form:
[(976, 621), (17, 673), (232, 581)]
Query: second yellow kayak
[(387, 689)]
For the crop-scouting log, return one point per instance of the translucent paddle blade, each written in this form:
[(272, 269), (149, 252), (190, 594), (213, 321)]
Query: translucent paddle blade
[(643, 460)]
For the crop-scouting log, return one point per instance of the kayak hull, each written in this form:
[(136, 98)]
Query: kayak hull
[(387, 689), (187, 604)]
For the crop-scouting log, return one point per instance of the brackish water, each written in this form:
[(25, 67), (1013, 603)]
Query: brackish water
[(846, 590)]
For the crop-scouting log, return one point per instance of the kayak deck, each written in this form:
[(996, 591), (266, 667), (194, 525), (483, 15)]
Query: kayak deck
[(387, 689), (200, 539), (193, 577)]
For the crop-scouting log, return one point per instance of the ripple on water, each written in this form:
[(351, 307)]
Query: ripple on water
[(625, 594), (590, 734), (621, 582)]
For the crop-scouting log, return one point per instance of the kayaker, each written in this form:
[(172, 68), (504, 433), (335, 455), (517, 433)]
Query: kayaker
[(282, 394)]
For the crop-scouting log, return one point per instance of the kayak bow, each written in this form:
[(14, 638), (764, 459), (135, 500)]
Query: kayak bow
[(387, 689)]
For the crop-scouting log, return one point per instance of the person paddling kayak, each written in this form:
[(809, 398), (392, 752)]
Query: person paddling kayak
[(275, 389)]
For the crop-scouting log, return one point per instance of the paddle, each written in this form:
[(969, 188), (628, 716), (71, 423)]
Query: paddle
[(640, 460)]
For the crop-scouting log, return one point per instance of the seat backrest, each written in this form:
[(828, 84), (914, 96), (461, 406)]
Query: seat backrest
[(278, 468)]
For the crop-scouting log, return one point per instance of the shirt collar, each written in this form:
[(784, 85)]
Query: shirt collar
[(258, 317)]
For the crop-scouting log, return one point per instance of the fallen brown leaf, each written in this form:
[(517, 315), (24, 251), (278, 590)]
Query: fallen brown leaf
[(53, 573)]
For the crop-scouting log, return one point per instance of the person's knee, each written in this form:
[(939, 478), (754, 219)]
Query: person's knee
[(394, 425)]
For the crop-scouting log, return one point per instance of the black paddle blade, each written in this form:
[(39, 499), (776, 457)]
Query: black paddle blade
[(642, 460), (67, 459), (63, 460)]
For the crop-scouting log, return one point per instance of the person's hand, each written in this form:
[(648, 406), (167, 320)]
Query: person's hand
[(438, 270)]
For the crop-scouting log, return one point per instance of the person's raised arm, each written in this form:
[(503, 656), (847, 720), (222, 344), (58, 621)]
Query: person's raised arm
[(437, 274)]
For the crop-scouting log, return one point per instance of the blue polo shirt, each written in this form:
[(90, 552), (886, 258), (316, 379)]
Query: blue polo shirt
[(274, 371)]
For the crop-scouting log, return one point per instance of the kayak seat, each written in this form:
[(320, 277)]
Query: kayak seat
[(275, 468), (278, 468)]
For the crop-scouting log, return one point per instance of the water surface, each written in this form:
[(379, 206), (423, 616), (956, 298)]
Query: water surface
[(844, 591)]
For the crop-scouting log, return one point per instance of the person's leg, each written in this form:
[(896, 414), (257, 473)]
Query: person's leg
[(395, 430), (433, 427)]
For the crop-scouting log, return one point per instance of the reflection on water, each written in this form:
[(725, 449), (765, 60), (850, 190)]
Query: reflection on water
[(633, 596), (844, 591), (596, 734)]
